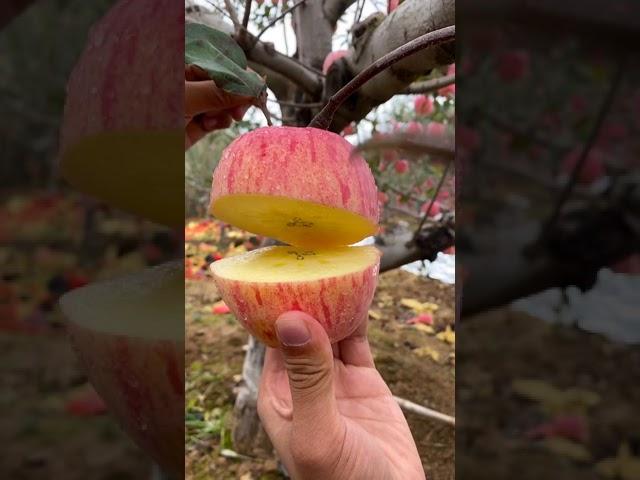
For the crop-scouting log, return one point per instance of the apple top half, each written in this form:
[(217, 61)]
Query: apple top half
[(123, 121), (298, 185), (147, 304)]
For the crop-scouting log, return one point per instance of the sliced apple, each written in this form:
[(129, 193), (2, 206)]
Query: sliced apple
[(129, 334), (302, 186), (334, 285), (123, 123)]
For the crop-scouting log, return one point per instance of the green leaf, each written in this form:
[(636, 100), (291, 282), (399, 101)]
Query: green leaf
[(223, 60)]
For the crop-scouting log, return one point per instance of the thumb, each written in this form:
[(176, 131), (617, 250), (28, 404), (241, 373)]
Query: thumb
[(308, 360)]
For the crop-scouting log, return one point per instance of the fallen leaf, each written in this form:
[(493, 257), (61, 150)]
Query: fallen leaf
[(424, 352), (568, 449), (554, 400), (375, 315), (417, 306), (447, 336), (624, 465), (424, 328)]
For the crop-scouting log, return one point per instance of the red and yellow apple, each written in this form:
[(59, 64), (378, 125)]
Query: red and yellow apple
[(124, 117), (129, 334), (331, 58), (304, 187)]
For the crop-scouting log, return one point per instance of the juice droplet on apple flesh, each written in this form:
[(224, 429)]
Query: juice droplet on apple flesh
[(297, 222)]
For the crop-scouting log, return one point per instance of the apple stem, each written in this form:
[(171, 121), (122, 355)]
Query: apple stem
[(261, 103), (325, 117)]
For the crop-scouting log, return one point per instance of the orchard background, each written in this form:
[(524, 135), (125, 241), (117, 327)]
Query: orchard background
[(309, 50)]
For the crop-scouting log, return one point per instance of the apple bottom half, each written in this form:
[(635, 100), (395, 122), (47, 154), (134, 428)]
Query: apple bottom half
[(340, 304), (142, 382)]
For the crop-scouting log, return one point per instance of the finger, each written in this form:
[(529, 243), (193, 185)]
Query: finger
[(220, 121), (308, 360), (355, 349), (206, 97), (273, 361)]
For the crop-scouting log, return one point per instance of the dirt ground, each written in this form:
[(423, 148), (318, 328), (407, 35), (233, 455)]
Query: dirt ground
[(214, 363), (499, 350), (40, 438)]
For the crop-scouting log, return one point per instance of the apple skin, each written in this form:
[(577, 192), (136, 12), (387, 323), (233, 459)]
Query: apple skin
[(332, 57), (423, 105), (340, 304), (142, 382), (305, 164), (120, 81), (401, 166)]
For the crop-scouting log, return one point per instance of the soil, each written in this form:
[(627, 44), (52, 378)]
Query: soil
[(502, 346), (214, 362)]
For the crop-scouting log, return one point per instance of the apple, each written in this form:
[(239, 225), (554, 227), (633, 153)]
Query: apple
[(423, 104), (513, 65), (383, 198), (435, 208), (349, 130), (123, 121), (129, 334), (401, 166), (332, 57), (307, 188), (334, 285), (436, 129), (414, 128), (592, 169), (298, 185), (393, 4)]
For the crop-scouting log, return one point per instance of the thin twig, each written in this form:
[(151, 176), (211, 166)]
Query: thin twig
[(424, 411), (433, 199), (593, 135), (429, 144), (247, 12), (428, 86), (325, 117), (278, 18), (285, 103), (221, 10), (233, 15)]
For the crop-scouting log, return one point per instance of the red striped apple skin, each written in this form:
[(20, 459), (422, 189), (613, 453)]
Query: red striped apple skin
[(339, 303), (306, 164), (142, 382), (126, 78)]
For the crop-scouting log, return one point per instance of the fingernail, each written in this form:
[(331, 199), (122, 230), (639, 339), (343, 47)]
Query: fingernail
[(292, 331)]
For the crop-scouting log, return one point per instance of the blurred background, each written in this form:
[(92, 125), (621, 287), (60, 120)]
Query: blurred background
[(53, 240)]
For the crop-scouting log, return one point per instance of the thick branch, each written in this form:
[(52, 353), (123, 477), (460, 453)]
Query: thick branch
[(379, 36), (334, 9), (428, 86), (266, 55), (401, 250), (325, 117)]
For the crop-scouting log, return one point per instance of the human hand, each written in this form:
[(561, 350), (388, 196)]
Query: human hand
[(208, 107), (327, 410)]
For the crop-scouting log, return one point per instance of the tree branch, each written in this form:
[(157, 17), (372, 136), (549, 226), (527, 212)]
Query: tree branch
[(247, 13), (233, 14), (428, 86), (433, 199), (334, 9), (278, 18), (305, 77), (324, 119)]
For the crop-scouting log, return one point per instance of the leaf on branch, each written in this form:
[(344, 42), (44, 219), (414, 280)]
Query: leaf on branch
[(224, 61)]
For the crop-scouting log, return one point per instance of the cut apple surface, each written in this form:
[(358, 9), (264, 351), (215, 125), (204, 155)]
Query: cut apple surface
[(302, 186), (129, 334), (149, 304), (293, 221), (334, 285)]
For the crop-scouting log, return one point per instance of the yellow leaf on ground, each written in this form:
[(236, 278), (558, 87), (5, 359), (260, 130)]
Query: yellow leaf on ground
[(568, 449), (375, 315), (447, 336), (554, 400), (424, 328), (417, 306), (424, 352), (624, 465)]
